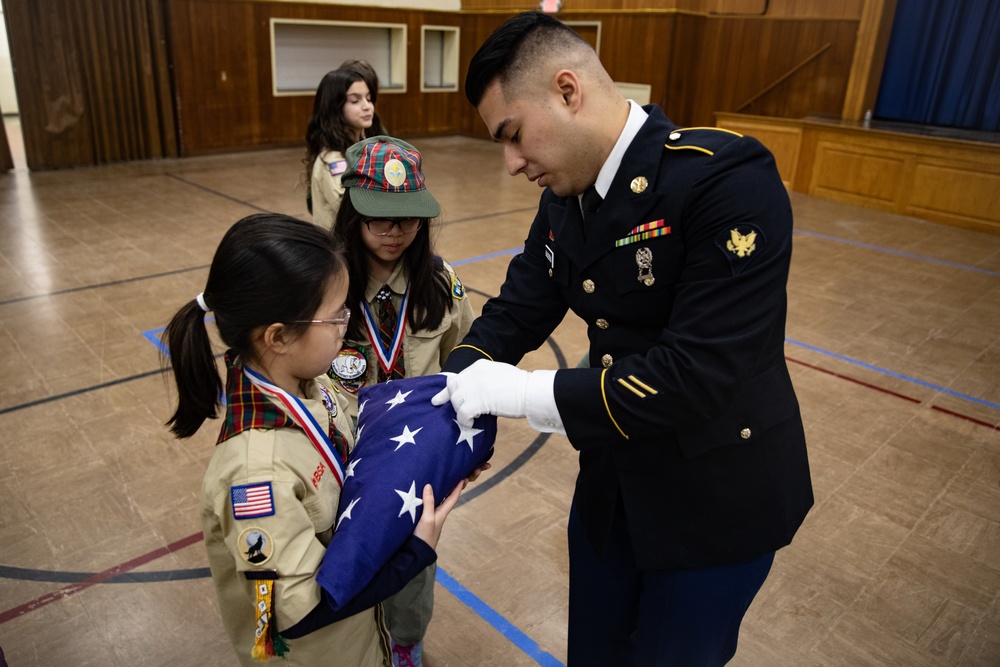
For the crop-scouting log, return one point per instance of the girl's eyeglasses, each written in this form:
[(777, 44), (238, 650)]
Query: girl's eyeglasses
[(382, 226), (342, 318)]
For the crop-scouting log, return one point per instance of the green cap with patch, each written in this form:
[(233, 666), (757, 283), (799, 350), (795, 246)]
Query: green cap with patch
[(384, 180)]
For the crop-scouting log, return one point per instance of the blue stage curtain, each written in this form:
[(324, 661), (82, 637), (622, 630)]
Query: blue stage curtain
[(943, 65)]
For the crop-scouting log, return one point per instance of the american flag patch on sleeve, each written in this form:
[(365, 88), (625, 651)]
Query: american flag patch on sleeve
[(252, 500)]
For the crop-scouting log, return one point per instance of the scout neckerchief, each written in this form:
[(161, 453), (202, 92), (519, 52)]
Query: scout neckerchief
[(387, 354), (247, 409)]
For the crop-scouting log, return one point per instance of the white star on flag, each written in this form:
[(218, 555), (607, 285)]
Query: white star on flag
[(400, 397), (410, 501), (346, 514), (466, 434), (394, 413), (406, 437)]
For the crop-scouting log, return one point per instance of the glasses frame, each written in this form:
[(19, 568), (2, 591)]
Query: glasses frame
[(344, 316), (393, 222)]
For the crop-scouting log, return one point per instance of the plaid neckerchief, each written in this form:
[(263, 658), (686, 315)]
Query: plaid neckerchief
[(248, 408)]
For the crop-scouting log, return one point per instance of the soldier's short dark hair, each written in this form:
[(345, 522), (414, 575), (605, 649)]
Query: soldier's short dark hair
[(514, 47)]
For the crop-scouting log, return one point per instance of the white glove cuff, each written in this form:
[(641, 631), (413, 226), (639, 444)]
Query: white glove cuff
[(540, 403)]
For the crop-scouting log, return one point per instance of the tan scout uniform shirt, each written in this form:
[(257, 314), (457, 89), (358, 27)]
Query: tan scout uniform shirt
[(424, 351), (327, 190), (305, 504)]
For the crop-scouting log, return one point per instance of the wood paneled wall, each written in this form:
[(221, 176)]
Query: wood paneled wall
[(695, 64), (92, 80), (787, 68), (238, 110), (111, 80), (829, 9)]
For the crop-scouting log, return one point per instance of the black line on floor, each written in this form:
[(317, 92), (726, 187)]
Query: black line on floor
[(163, 274), (216, 192), (77, 392), (486, 216), (52, 576), (107, 284)]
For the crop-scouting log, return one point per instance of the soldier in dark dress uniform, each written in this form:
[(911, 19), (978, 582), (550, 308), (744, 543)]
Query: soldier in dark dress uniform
[(693, 467)]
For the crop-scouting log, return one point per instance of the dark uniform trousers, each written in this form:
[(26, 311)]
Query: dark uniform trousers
[(693, 466)]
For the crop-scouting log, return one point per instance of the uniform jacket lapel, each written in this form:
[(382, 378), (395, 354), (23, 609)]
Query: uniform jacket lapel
[(622, 208), (567, 224)]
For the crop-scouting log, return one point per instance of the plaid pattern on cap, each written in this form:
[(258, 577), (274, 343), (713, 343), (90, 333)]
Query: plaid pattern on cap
[(384, 180), (377, 167)]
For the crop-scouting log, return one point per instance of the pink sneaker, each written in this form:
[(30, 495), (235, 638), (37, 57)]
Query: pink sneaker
[(408, 656)]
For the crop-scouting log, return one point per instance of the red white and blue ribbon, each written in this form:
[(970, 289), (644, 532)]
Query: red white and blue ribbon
[(387, 355), (303, 419)]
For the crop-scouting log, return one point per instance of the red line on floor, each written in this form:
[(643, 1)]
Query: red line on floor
[(97, 578), (893, 393), (966, 418), (856, 381)]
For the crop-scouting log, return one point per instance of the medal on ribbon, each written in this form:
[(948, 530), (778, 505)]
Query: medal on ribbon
[(386, 354)]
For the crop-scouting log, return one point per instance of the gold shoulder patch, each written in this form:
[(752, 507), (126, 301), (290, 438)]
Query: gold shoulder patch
[(740, 244)]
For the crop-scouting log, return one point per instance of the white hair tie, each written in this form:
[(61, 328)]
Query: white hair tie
[(201, 302)]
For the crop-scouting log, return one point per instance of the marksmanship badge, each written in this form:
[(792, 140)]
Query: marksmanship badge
[(644, 260)]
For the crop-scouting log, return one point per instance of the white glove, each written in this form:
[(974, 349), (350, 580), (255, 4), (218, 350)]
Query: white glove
[(495, 388)]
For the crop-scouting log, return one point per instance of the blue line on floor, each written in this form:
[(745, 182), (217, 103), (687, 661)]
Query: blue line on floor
[(499, 253), (501, 624), (900, 253), (153, 336), (894, 374)]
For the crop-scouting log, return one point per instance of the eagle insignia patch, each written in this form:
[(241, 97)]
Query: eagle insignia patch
[(740, 244)]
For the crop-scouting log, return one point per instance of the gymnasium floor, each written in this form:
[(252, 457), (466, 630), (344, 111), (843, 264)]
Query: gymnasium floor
[(893, 341)]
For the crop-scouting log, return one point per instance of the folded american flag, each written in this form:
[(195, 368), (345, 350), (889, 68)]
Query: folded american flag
[(403, 443)]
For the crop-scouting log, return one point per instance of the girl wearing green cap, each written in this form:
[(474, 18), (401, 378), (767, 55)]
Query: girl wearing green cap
[(412, 310)]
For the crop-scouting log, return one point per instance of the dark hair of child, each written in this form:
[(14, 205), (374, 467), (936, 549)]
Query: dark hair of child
[(364, 68), (268, 268), (429, 283), (327, 130)]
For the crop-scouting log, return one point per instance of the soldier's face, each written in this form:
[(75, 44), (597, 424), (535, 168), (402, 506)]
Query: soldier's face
[(540, 139)]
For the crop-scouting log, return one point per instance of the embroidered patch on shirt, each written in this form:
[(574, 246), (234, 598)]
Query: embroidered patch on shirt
[(255, 545), (740, 244), (337, 167), (350, 369), (457, 288), (251, 501), (650, 230)]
